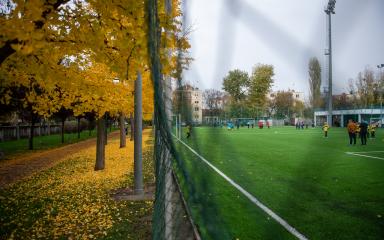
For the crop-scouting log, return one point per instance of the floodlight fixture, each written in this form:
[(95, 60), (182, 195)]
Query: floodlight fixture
[(330, 8)]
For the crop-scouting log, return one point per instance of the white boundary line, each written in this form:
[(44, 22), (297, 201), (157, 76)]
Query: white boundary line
[(368, 152), (363, 155), (253, 199)]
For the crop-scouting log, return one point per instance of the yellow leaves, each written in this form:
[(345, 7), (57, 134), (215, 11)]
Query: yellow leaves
[(16, 47), (125, 22), (26, 49), (115, 14), (5, 97), (100, 39), (70, 200)]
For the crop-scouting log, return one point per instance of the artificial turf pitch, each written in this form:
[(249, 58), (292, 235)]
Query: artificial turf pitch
[(308, 180)]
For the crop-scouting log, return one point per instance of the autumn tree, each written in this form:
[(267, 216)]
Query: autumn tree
[(314, 72), (342, 101), (260, 84), (282, 104), (366, 84), (68, 54), (236, 84), (25, 25), (212, 100), (298, 108)]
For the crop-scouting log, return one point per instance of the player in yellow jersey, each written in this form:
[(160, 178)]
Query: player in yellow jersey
[(358, 129), (373, 130), (325, 129)]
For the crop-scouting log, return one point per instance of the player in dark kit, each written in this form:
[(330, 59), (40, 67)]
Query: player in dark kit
[(363, 132)]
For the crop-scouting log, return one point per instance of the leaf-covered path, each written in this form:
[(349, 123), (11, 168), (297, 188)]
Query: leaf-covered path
[(25, 165), (69, 200)]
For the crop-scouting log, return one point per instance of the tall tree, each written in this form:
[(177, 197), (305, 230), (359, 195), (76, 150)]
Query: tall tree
[(236, 84), (283, 104), (365, 85), (213, 99), (314, 71), (260, 84)]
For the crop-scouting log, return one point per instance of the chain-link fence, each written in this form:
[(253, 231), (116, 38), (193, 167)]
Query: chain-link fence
[(207, 178)]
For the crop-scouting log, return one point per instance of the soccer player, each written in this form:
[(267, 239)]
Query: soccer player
[(358, 129), (373, 130), (261, 124), (369, 131), (189, 130), (351, 132), (363, 132), (325, 129)]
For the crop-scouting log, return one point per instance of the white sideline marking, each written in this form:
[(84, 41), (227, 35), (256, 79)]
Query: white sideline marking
[(253, 199), (363, 155), (368, 152)]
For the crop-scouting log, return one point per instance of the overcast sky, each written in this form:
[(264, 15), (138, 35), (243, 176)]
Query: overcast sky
[(229, 34)]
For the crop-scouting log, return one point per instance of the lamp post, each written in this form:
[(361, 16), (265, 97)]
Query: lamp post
[(329, 10), (380, 66)]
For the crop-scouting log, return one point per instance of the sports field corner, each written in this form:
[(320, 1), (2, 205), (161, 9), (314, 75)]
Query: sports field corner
[(323, 188)]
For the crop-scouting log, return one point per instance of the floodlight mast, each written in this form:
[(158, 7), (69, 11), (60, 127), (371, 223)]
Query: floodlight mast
[(329, 10)]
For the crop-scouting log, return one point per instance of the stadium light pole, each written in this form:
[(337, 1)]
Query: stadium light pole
[(380, 67), (329, 10)]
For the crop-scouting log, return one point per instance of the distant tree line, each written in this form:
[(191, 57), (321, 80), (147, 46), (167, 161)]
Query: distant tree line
[(365, 91)]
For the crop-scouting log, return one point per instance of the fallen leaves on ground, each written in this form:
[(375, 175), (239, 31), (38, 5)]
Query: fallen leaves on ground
[(71, 200)]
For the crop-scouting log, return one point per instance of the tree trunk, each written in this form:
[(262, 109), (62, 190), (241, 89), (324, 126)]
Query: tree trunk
[(100, 144), (105, 129), (90, 127), (78, 127), (30, 147), (62, 130), (122, 131), (132, 127)]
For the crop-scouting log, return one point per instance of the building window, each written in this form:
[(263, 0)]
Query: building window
[(196, 101), (196, 109), (297, 95)]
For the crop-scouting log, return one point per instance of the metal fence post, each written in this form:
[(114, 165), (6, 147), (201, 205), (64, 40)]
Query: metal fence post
[(138, 164)]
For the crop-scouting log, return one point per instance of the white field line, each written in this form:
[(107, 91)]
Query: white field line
[(363, 155), (368, 152), (253, 199)]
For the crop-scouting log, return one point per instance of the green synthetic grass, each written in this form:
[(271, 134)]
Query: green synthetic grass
[(306, 179)]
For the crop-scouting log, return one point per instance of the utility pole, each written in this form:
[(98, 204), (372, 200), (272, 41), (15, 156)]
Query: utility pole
[(380, 67), (329, 10), (138, 155)]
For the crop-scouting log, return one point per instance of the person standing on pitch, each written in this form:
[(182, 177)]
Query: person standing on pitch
[(189, 130), (351, 132), (358, 129), (373, 130), (363, 132), (325, 129)]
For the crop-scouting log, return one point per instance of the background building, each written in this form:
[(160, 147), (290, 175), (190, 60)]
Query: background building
[(188, 101)]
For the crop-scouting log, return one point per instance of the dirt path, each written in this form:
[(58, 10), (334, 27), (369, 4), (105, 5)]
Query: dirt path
[(26, 165)]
